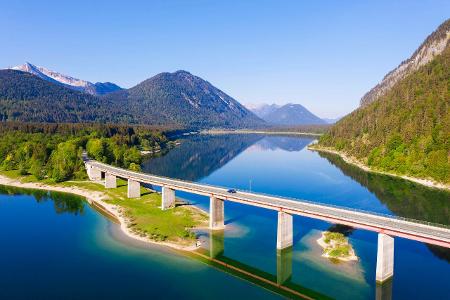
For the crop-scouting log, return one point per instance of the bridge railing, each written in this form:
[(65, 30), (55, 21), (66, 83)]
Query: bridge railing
[(333, 206)]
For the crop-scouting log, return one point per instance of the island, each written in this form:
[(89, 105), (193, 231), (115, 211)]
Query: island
[(336, 247)]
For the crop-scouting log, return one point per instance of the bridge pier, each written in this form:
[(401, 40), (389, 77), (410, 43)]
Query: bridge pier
[(284, 265), (134, 189), (168, 198), (216, 213), (284, 230), (94, 174), (110, 181), (385, 258)]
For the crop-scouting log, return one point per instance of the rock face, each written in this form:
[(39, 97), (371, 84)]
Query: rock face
[(434, 44), (290, 115), (99, 88)]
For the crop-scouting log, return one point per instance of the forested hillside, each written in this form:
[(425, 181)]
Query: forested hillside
[(405, 131)]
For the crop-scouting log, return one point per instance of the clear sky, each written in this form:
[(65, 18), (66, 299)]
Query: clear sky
[(322, 54)]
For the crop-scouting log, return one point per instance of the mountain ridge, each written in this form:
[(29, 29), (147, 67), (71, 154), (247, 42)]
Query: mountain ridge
[(98, 88), (290, 114)]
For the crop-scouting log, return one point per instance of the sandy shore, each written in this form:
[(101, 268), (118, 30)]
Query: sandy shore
[(355, 162), (212, 132), (96, 199)]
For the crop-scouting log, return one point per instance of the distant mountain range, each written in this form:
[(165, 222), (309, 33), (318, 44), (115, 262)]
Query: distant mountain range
[(99, 88), (36, 94), (286, 115)]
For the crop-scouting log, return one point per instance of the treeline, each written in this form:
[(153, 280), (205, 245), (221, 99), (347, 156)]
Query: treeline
[(54, 151), (406, 131)]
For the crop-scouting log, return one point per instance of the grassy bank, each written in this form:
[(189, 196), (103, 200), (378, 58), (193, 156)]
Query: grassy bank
[(143, 216)]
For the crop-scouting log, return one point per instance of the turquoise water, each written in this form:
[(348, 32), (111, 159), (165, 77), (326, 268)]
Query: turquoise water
[(54, 246)]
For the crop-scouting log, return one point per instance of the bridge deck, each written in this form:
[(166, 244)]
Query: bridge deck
[(412, 229)]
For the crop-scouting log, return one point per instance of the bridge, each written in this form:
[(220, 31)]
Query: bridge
[(386, 226)]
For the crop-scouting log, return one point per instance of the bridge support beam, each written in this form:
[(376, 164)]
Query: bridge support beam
[(94, 173), (134, 189), (168, 198), (216, 213), (284, 265), (284, 230), (385, 258), (110, 181)]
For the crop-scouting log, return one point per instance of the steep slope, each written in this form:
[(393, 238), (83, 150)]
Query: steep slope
[(430, 48), (185, 99), (292, 114), (406, 130), (99, 88), (28, 98), (264, 109)]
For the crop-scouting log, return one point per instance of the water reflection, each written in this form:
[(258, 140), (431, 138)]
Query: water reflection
[(199, 156), (402, 197), (62, 202), (286, 143)]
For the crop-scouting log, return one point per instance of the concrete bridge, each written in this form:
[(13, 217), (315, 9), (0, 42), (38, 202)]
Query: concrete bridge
[(387, 227)]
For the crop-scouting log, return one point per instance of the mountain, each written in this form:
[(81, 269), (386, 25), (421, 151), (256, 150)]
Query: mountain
[(176, 99), (28, 98), (290, 115), (406, 129), (99, 88), (331, 121), (185, 99), (263, 110), (433, 45)]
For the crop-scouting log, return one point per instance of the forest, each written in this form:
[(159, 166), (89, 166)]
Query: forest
[(54, 151), (406, 131)]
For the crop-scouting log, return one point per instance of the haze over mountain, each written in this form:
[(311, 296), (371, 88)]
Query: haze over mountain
[(287, 115), (99, 88), (178, 98), (403, 125)]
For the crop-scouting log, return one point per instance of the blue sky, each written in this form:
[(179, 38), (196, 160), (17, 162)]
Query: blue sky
[(322, 54)]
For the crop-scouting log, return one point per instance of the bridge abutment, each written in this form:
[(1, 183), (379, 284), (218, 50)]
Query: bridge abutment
[(284, 230), (385, 257), (134, 189), (216, 213), (94, 174), (167, 198), (110, 181)]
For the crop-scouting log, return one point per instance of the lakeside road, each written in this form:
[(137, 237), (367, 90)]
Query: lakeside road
[(355, 162), (239, 131), (97, 200)]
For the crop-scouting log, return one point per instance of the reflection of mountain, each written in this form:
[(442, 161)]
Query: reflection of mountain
[(199, 156), (402, 197), (287, 143), (62, 202)]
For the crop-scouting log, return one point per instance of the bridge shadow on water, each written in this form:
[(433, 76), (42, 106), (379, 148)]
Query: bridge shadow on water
[(212, 253)]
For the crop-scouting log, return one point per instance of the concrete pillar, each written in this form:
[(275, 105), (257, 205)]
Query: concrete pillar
[(168, 198), (134, 189), (110, 181), (284, 265), (284, 231), (94, 173), (216, 243), (385, 257), (216, 213)]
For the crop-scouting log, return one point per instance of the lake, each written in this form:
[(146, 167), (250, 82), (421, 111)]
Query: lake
[(55, 246)]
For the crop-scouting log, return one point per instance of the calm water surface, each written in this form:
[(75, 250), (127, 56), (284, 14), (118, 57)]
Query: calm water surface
[(54, 246)]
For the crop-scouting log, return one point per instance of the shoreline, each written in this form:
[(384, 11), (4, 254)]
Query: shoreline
[(352, 161), (351, 257), (240, 131), (96, 200)]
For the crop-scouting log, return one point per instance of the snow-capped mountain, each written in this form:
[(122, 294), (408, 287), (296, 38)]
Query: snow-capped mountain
[(99, 88)]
